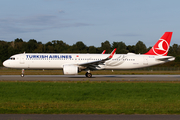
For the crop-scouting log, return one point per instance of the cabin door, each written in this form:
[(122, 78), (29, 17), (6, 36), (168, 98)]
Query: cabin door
[(22, 59), (145, 61)]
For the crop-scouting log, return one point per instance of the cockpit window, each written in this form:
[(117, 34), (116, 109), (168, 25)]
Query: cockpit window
[(12, 58)]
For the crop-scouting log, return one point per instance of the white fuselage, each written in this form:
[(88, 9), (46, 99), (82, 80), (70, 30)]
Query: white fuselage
[(56, 61)]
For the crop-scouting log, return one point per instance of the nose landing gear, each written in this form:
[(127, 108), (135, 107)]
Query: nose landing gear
[(22, 75)]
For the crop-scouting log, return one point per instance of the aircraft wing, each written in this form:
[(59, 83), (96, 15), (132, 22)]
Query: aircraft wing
[(98, 62)]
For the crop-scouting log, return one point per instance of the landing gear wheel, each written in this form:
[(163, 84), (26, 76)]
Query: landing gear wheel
[(89, 75)]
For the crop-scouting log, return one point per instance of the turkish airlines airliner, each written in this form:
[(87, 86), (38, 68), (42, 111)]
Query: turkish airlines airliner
[(74, 63)]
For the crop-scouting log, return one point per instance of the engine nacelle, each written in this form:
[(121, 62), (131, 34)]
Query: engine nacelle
[(70, 69)]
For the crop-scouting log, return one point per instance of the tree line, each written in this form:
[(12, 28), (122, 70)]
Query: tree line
[(58, 46)]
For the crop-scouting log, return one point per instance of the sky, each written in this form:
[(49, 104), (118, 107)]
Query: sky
[(90, 21)]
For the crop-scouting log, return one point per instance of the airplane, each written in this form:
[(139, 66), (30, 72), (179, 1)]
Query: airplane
[(73, 63)]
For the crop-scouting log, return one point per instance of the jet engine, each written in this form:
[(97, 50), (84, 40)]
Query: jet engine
[(70, 69)]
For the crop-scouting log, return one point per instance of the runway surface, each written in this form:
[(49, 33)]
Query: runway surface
[(94, 78), (87, 117)]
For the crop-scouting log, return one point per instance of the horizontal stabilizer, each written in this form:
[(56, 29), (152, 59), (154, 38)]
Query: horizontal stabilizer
[(164, 58)]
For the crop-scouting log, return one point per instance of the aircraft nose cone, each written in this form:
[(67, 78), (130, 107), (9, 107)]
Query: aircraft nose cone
[(5, 63)]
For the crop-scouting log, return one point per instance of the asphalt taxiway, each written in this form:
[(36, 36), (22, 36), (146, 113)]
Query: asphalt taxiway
[(94, 78)]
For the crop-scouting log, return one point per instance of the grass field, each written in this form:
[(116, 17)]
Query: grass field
[(89, 98)]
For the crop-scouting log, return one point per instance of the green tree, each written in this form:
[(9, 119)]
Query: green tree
[(19, 46), (174, 50), (121, 47), (79, 47), (18, 40), (131, 49), (140, 47), (39, 49), (106, 46), (92, 49), (49, 48), (60, 46), (31, 45), (4, 50)]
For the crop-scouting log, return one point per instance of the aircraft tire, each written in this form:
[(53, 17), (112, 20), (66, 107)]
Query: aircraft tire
[(89, 75)]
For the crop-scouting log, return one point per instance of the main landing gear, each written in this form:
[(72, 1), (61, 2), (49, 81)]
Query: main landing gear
[(88, 74), (22, 75)]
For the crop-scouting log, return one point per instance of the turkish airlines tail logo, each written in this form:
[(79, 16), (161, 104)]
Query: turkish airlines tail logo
[(162, 46)]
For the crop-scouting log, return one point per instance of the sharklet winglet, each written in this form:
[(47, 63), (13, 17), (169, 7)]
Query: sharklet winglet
[(112, 53)]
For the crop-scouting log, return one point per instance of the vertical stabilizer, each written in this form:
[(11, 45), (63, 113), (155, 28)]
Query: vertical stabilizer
[(162, 45)]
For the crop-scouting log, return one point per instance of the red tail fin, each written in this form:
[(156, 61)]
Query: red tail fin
[(162, 46)]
